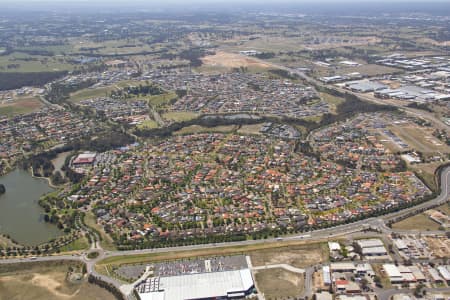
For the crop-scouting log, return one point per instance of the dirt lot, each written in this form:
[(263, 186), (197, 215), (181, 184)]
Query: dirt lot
[(279, 283), (47, 283), (233, 60), (439, 245), (318, 281), (297, 256)]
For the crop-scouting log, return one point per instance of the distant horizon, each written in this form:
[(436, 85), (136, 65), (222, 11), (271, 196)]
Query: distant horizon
[(295, 6)]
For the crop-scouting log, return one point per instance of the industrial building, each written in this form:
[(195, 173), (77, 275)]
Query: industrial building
[(393, 273), (86, 158), (445, 273), (214, 285), (326, 274), (372, 247)]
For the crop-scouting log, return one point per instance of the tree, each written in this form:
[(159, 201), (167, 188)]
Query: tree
[(2, 189)]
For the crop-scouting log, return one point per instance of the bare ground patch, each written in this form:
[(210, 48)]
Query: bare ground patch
[(279, 283), (233, 60), (297, 256)]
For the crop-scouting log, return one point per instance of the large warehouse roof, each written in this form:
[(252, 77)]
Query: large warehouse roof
[(392, 271), (202, 285), (370, 243)]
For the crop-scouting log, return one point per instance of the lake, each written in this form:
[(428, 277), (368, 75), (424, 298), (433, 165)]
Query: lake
[(20, 214)]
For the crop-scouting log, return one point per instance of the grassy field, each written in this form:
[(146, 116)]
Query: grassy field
[(91, 93), (111, 47), (179, 116), (279, 283), (250, 129), (20, 106), (418, 222), (332, 100), (101, 91), (445, 208), (161, 100), (33, 63), (148, 124), (77, 245), (426, 173), (47, 282), (420, 139), (199, 129), (107, 242)]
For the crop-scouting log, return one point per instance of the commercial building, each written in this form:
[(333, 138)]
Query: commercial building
[(326, 275), (214, 285), (434, 275), (393, 273), (445, 273), (342, 267), (372, 247), (86, 158)]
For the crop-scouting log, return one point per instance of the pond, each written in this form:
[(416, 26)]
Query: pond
[(20, 214)]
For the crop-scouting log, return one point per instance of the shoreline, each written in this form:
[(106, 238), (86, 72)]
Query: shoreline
[(50, 184)]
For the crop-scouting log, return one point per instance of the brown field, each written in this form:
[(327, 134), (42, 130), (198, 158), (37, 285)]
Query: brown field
[(233, 60), (47, 282), (439, 246), (418, 222), (20, 106), (279, 283), (318, 281), (298, 256), (445, 208), (419, 139), (433, 42)]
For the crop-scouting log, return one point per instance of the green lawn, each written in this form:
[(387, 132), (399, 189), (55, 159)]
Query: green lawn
[(33, 63), (91, 93), (148, 124), (161, 100), (77, 245), (180, 116), (107, 242), (333, 100)]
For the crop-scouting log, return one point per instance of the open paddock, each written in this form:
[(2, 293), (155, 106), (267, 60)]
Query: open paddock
[(279, 283), (19, 106)]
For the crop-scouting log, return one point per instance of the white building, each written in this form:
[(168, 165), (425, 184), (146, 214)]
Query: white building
[(393, 273), (223, 285)]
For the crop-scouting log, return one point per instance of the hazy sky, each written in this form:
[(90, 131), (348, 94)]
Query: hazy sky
[(225, 5), (188, 2)]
